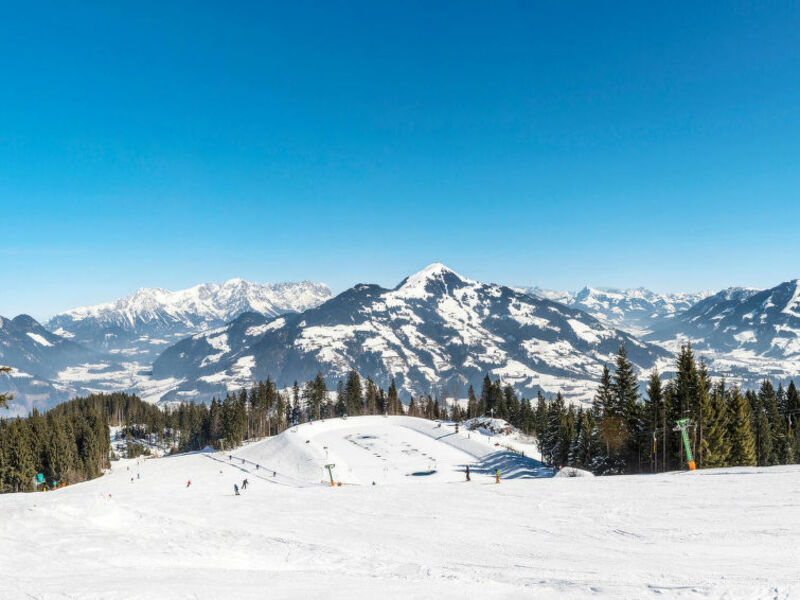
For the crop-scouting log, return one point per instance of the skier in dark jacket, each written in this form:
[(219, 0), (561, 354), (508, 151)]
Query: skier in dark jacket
[(468, 473), (244, 484), (235, 489)]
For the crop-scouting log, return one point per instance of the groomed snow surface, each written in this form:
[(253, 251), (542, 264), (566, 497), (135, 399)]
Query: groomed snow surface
[(420, 532)]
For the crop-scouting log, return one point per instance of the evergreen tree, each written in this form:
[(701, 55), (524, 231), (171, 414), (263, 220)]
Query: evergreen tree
[(472, 403), (371, 398), (793, 420), (354, 395), (703, 414), (540, 416), (393, 400), (742, 442), (715, 445), (654, 415)]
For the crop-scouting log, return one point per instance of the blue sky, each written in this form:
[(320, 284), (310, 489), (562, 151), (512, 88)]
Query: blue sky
[(545, 143)]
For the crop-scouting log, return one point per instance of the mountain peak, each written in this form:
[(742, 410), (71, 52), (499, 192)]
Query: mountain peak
[(434, 271), (436, 274)]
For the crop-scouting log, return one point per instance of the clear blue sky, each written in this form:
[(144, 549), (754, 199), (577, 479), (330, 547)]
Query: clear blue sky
[(550, 143)]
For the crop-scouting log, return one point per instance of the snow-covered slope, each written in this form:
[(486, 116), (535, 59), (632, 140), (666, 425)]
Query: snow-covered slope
[(637, 311), (743, 332), (387, 450), (143, 323), (436, 329), (721, 533)]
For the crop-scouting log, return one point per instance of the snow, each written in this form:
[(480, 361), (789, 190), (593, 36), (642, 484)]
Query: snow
[(723, 533), (198, 305), (635, 311), (262, 329), (61, 332), (39, 339), (792, 304), (745, 337), (583, 331), (415, 285)]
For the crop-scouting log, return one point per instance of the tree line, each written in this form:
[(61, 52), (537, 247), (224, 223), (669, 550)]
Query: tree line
[(623, 432), (620, 432), (68, 444)]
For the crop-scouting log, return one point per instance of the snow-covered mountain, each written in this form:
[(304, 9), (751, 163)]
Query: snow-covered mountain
[(26, 345), (434, 330), (637, 311), (142, 324), (35, 355), (744, 332)]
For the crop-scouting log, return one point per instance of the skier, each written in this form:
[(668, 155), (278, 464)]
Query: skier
[(244, 484), (189, 483), (235, 489), (497, 476), (274, 473), (468, 479), (137, 476)]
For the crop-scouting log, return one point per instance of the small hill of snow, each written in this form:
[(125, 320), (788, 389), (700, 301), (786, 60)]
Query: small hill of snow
[(384, 450)]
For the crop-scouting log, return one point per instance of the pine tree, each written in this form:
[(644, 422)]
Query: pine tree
[(613, 427), (703, 414), (371, 398), (654, 414), (771, 407), (540, 416), (472, 403), (793, 419), (393, 400), (715, 445), (354, 395), (21, 466), (742, 442)]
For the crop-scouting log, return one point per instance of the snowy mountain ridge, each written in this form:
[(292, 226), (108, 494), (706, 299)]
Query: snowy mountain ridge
[(435, 330), (744, 332), (635, 310), (142, 324), (200, 304)]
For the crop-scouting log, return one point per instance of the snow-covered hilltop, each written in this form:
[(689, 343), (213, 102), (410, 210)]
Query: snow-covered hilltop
[(436, 330), (637, 311), (158, 313)]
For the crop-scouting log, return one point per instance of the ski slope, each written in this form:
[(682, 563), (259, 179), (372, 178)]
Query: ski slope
[(727, 533), (389, 450)]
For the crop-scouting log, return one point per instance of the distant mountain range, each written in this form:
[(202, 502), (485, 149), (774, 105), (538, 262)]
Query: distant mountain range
[(436, 331), (111, 347), (142, 324), (744, 332), (637, 311)]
